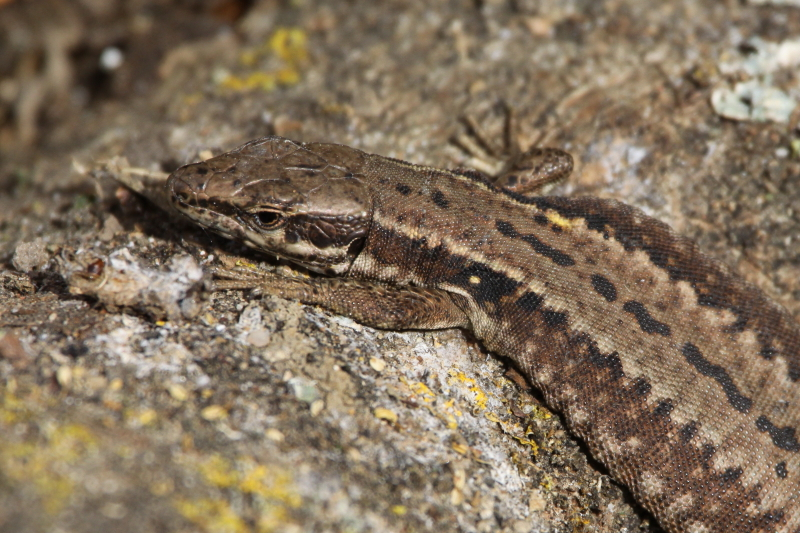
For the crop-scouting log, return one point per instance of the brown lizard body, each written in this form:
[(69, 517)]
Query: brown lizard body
[(681, 377)]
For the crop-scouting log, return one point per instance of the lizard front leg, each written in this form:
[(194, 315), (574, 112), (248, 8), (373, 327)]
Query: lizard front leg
[(373, 304)]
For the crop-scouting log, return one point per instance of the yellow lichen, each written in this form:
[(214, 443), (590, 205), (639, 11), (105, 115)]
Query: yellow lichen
[(218, 472), (40, 461), (480, 397), (421, 389), (211, 515), (271, 490), (288, 46)]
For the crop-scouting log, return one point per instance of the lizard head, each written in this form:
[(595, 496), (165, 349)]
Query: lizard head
[(303, 202)]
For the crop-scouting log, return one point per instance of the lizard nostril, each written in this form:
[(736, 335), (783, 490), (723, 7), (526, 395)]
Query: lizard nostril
[(178, 186)]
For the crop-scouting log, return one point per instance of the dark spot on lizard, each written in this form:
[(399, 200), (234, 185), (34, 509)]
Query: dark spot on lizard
[(483, 283), (710, 300), (405, 190), (604, 287), (557, 256), (530, 301), (738, 326), (478, 177), (610, 361), (541, 220), (780, 470), (708, 452), (730, 475), (647, 323), (768, 352), (704, 366), (664, 408), (783, 438), (541, 248), (439, 199), (642, 387), (554, 318), (506, 229), (688, 431), (391, 248), (772, 517)]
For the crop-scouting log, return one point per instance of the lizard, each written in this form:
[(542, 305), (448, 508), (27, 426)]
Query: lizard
[(680, 377)]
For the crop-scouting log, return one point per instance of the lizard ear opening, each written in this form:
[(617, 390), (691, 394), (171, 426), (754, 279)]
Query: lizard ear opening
[(356, 245)]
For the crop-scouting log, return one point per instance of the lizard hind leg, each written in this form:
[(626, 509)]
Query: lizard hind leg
[(530, 171), (522, 172)]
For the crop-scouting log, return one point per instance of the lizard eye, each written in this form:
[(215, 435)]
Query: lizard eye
[(268, 219)]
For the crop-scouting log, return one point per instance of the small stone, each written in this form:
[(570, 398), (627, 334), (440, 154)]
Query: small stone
[(11, 349), (459, 478), (304, 390), (147, 417), (539, 26), (385, 414), (111, 227), (378, 365), (354, 455), (277, 355), (316, 407), (536, 502), (258, 338), (30, 256), (274, 435), (178, 392), (64, 376), (214, 412)]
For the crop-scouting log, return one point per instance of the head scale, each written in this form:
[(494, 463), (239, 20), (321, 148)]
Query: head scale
[(303, 202)]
